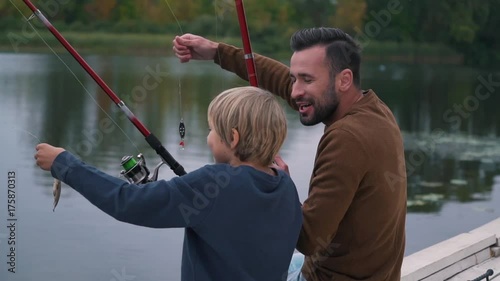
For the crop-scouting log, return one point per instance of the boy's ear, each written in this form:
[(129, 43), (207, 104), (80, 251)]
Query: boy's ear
[(235, 138)]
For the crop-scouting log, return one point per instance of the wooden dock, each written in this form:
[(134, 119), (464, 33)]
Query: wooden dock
[(460, 258)]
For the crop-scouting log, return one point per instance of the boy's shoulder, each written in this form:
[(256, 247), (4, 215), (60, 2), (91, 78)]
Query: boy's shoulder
[(221, 172), (218, 173), (220, 168)]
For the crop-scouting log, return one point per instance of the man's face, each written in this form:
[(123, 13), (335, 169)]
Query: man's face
[(313, 89)]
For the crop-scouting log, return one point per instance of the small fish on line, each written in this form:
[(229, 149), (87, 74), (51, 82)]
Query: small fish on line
[(56, 191)]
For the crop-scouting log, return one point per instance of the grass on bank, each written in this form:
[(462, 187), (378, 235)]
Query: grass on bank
[(161, 44)]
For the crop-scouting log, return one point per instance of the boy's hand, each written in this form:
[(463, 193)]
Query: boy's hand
[(280, 164), (45, 155)]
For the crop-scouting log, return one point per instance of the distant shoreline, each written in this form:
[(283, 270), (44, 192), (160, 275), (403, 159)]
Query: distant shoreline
[(160, 44)]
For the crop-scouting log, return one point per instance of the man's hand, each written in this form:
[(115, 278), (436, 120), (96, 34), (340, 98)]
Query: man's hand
[(189, 46), (280, 164), (45, 155)]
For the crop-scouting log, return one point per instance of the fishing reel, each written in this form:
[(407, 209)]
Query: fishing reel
[(136, 171)]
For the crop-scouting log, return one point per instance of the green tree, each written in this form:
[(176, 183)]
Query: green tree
[(126, 11), (101, 9), (74, 11), (311, 13), (349, 15), (6, 9), (468, 26)]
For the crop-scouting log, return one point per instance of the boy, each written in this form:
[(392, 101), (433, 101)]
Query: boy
[(242, 218)]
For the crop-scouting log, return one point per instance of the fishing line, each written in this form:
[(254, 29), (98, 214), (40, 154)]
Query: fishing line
[(182, 127), (220, 13), (74, 75), (29, 133), (152, 140), (56, 183)]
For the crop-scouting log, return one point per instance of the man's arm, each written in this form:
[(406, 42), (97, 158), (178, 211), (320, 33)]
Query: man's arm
[(337, 173), (272, 75)]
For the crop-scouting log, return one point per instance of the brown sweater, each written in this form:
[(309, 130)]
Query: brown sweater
[(354, 216)]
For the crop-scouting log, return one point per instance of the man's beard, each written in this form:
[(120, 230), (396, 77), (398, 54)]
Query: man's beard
[(323, 109)]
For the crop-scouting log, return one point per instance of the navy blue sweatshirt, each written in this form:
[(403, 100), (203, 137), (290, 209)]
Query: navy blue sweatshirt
[(240, 223)]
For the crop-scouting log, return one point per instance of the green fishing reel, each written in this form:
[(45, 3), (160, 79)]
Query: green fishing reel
[(136, 171)]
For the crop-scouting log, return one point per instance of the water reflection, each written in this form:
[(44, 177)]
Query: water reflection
[(451, 148), (426, 98), (449, 168), (446, 113), (449, 118)]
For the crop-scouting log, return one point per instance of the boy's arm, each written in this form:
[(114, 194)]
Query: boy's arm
[(159, 204), (272, 75)]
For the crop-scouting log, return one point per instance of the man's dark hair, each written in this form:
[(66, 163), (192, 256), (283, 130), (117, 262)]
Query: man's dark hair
[(341, 49)]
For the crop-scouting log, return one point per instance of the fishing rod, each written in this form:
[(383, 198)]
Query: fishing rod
[(247, 47), (134, 171)]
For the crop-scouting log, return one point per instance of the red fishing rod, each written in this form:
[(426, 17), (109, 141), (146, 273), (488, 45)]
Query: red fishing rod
[(135, 172), (247, 47)]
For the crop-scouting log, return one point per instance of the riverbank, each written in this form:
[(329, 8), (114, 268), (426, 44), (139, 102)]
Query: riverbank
[(160, 44)]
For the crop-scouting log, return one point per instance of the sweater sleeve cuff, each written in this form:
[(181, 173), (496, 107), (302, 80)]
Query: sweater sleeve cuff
[(224, 50), (62, 165)]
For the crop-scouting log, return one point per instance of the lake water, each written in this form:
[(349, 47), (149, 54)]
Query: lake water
[(448, 116)]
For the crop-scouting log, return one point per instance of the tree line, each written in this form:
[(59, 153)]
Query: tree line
[(468, 26)]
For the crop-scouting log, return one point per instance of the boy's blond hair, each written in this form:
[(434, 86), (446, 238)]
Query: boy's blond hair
[(258, 118)]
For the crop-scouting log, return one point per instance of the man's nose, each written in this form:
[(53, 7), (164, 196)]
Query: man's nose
[(297, 91)]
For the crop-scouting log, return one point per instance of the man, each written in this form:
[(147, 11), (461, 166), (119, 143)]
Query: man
[(354, 216)]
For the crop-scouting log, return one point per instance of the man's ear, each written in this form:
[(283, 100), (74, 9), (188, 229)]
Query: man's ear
[(344, 80), (235, 138)]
